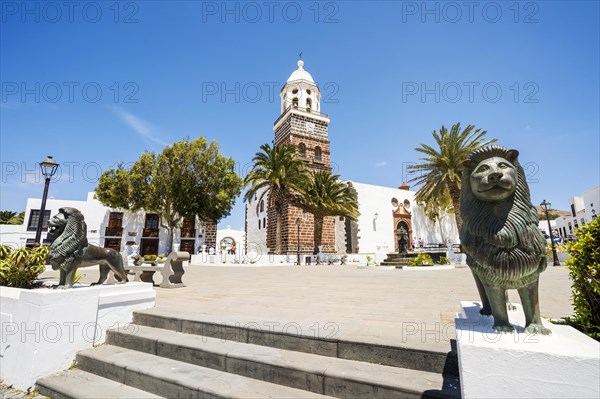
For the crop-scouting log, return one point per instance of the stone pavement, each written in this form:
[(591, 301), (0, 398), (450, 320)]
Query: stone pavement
[(7, 392), (415, 309)]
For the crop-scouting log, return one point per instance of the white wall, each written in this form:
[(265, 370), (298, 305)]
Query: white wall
[(379, 235), (257, 238), (11, 234)]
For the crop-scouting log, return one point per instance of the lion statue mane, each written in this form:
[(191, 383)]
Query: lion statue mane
[(500, 235), (70, 249)]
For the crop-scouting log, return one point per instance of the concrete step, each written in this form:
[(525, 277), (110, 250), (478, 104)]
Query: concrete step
[(78, 384), (397, 356), (175, 379), (315, 373)]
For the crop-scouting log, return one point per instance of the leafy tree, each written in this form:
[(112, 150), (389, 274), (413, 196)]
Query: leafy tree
[(187, 179), (584, 270), (325, 195), (277, 173), (5, 216), (441, 171)]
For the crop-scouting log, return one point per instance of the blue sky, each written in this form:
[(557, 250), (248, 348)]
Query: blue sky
[(99, 83)]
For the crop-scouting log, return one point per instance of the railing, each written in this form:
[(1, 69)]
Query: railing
[(113, 232), (150, 233), (307, 110)]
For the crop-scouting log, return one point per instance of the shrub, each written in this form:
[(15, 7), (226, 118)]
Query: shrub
[(22, 267), (443, 261), (150, 258), (5, 251), (584, 270), (420, 260)]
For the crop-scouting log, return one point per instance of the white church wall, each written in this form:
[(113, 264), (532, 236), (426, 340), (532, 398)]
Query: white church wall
[(377, 233), (257, 237)]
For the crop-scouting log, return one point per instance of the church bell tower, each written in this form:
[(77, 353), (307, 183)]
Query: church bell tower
[(303, 125)]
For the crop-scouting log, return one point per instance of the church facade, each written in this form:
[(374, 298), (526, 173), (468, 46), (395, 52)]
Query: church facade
[(384, 211)]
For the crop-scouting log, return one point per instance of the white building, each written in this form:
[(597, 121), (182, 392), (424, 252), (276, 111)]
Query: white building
[(584, 209), (113, 228), (231, 241), (383, 210)]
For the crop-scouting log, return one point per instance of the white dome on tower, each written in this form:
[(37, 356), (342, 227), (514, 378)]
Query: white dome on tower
[(300, 74)]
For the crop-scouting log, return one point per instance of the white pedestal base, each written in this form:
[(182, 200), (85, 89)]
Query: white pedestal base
[(565, 364), (42, 329)]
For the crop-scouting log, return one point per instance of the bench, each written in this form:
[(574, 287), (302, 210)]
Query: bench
[(172, 271)]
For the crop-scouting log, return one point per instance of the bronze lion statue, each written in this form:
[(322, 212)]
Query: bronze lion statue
[(500, 235), (70, 249)]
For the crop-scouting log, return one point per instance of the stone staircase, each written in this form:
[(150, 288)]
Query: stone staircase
[(163, 355), (398, 260)]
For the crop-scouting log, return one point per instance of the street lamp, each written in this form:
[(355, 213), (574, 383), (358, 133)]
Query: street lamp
[(48, 168), (545, 206), (298, 222)]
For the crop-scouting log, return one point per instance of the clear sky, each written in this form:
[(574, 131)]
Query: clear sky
[(95, 83)]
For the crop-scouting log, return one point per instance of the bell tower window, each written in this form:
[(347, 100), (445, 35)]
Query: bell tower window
[(295, 102), (308, 104), (302, 150), (317, 153)]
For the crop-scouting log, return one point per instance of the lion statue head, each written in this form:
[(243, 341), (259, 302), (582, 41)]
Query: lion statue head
[(68, 233), (500, 225)]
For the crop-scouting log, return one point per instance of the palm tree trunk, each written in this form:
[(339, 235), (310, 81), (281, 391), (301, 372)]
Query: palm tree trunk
[(454, 192), (318, 233), (278, 217)]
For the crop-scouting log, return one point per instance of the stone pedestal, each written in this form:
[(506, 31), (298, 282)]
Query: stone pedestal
[(42, 329), (565, 364)]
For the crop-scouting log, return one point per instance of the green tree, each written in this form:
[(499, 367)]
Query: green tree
[(277, 173), (5, 216), (187, 179), (440, 172), (325, 195)]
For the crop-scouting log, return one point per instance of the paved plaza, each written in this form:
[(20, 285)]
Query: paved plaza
[(414, 309)]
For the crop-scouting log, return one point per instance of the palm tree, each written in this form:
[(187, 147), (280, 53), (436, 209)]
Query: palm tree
[(325, 196), (441, 171), (6, 216), (278, 173)]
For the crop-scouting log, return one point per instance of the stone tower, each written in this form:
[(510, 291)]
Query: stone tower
[(303, 125)]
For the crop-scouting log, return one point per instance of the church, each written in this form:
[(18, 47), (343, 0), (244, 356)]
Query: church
[(383, 210)]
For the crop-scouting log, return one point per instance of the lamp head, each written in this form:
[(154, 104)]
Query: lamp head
[(48, 167)]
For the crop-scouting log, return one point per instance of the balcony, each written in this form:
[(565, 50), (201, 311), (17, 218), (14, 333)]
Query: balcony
[(113, 232), (188, 232), (150, 233)]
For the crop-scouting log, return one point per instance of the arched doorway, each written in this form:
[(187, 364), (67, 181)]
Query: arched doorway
[(227, 245), (402, 236), (402, 218)]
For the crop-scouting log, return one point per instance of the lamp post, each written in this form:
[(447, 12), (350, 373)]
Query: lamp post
[(48, 168), (546, 205), (298, 222)]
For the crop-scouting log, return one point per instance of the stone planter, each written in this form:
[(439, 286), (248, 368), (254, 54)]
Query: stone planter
[(42, 329)]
